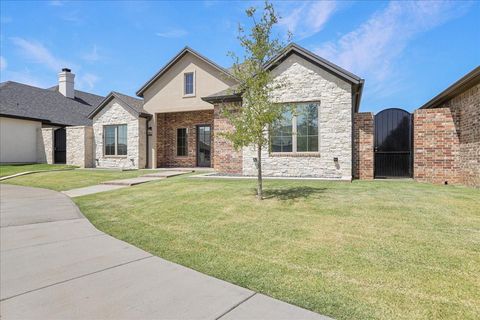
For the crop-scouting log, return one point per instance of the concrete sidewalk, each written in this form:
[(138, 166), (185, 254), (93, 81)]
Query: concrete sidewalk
[(56, 265)]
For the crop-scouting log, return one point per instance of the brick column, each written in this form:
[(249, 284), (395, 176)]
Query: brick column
[(226, 159), (363, 135)]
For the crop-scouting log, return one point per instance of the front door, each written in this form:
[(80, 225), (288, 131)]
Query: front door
[(60, 145), (203, 145), (393, 144)]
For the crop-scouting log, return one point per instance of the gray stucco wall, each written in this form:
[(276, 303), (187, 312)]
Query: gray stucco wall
[(305, 82), (116, 113)]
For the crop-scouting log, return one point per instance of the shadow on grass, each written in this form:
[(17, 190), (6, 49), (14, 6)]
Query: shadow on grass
[(293, 193)]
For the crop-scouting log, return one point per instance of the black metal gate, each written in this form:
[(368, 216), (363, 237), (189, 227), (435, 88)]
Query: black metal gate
[(60, 145), (393, 144)]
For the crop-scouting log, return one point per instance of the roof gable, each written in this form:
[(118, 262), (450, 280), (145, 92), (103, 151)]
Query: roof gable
[(173, 61), (315, 59), (357, 83), (135, 105)]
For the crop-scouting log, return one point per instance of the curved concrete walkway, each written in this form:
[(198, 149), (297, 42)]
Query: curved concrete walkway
[(56, 265)]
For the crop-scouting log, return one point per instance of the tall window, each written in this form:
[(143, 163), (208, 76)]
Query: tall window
[(189, 85), (182, 142), (297, 131), (115, 140)]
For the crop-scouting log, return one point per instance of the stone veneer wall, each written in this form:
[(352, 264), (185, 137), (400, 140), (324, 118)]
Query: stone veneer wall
[(363, 143), (305, 82), (226, 159), (167, 125), (45, 145), (447, 141), (116, 113), (436, 146), (80, 146)]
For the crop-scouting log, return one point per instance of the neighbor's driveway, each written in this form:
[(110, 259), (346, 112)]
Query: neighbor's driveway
[(56, 265)]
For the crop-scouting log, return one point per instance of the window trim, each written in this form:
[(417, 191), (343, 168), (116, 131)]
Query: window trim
[(294, 152), (116, 155), (188, 95), (186, 142)]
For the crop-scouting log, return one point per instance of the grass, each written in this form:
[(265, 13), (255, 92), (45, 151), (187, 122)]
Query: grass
[(66, 180), (362, 250), (10, 169)]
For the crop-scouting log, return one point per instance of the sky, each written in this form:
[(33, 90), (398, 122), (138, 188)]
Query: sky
[(406, 51)]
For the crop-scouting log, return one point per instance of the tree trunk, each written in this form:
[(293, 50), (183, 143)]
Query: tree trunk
[(259, 170)]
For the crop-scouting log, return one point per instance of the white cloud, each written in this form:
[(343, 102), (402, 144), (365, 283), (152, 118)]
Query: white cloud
[(92, 56), (307, 19), (373, 49), (172, 33), (38, 53), (3, 63), (87, 81)]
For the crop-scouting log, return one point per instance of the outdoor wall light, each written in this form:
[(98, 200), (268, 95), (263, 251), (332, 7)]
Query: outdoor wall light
[(335, 159), (255, 160), (149, 131)]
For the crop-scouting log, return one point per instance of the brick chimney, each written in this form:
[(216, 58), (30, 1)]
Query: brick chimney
[(66, 83)]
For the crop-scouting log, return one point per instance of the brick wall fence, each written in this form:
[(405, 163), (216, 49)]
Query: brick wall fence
[(167, 125), (436, 146), (226, 159), (363, 134), (446, 142)]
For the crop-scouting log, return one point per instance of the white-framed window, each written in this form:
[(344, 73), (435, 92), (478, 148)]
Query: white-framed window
[(115, 140), (182, 144), (189, 84), (297, 131)]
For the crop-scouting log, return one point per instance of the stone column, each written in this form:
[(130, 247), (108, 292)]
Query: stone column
[(45, 145), (80, 146)]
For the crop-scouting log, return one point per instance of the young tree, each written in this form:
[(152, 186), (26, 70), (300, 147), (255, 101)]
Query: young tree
[(258, 111)]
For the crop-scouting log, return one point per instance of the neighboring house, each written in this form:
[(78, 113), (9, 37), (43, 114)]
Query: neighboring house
[(447, 134), (25, 110)]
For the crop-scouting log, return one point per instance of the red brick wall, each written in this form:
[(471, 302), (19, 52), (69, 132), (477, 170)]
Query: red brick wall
[(447, 141), (363, 135), (227, 159), (467, 107), (167, 125), (436, 146)]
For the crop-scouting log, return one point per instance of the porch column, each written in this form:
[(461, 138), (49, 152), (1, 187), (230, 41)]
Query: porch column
[(152, 142)]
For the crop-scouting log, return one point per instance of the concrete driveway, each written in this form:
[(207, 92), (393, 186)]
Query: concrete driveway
[(56, 265)]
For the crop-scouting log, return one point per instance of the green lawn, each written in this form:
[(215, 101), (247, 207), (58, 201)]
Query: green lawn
[(362, 250), (66, 180), (9, 169)]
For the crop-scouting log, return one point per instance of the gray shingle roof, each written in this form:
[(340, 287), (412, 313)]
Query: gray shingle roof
[(134, 103), (48, 105)]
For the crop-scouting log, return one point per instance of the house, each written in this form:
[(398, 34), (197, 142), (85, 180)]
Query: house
[(177, 121), (186, 96), (26, 110)]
